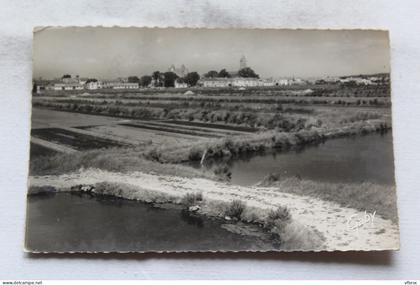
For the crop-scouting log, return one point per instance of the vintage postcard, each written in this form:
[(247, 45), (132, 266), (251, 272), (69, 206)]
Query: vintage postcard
[(171, 140)]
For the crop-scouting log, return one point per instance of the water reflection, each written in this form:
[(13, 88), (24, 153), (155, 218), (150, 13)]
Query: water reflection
[(71, 222), (192, 219), (353, 159)]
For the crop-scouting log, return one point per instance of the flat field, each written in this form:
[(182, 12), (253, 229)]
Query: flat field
[(162, 121)]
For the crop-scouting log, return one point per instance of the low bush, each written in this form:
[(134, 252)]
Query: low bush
[(191, 199), (223, 171), (195, 153), (152, 154), (235, 209), (252, 215), (277, 218)]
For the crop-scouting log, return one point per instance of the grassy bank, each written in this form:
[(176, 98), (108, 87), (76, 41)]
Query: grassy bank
[(365, 196), (114, 159), (231, 147)]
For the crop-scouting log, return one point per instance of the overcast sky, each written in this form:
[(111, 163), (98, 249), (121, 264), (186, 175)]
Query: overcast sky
[(119, 52)]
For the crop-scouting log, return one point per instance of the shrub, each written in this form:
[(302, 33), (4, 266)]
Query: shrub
[(153, 154), (195, 153), (235, 209), (251, 215), (191, 199), (228, 143), (277, 218), (223, 171)]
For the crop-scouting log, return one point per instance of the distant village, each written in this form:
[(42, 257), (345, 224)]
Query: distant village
[(181, 77)]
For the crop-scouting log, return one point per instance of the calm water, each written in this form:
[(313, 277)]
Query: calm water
[(354, 159), (69, 222)]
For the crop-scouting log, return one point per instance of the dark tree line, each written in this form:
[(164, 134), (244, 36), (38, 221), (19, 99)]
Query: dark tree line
[(248, 72), (168, 79), (214, 74), (165, 79), (244, 72)]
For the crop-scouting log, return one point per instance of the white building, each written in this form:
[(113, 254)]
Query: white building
[(215, 82), (179, 83), (236, 82), (67, 86), (357, 80), (120, 85), (93, 84), (282, 82)]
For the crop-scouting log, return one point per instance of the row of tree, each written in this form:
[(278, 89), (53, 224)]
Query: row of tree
[(167, 79), (244, 72), (214, 74)]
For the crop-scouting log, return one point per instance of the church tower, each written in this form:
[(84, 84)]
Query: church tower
[(242, 62)]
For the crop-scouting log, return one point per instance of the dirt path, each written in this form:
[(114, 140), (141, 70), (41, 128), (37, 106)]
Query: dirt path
[(336, 223)]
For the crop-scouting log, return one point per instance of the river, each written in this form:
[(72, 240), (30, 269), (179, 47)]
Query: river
[(347, 160), (69, 222)]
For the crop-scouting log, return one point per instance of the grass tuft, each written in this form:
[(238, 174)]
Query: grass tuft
[(235, 209), (191, 199), (277, 217)]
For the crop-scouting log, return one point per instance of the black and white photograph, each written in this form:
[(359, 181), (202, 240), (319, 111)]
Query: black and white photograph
[(210, 140)]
